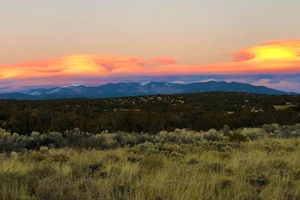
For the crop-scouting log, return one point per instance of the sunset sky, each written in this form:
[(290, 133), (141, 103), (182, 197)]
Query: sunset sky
[(93, 42)]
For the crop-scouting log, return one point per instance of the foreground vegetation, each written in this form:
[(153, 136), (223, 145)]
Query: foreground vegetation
[(137, 148), (248, 163)]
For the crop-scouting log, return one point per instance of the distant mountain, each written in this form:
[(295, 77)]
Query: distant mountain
[(136, 89)]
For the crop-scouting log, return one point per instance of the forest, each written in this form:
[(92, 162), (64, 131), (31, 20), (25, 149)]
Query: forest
[(150, 114)]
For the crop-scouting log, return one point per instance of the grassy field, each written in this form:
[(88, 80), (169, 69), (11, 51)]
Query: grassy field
[(170, 165)]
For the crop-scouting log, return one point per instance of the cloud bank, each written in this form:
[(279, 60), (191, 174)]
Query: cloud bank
[(275, 57)]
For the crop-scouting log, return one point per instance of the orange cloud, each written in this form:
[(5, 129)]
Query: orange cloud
[(165, 60), (73, 65), (271, 56), (279, 56)]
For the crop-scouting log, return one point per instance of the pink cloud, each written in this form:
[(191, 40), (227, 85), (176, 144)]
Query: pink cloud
[(279, 56), (165, 60)]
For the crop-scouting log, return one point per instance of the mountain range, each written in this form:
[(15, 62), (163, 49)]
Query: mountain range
[(136, 89)]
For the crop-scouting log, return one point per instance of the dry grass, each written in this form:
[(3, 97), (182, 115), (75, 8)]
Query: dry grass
[(260, 169)]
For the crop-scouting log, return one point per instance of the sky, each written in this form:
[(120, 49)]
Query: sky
[(93, 42)]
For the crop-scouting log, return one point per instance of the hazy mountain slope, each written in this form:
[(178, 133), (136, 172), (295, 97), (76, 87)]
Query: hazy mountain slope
[(137, 88)]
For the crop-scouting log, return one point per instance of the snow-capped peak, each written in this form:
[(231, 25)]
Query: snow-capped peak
[(54, 90), (35, 93), (73, 85), (144, 83)]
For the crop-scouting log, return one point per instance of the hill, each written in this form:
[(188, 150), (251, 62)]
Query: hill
[(137, 89)]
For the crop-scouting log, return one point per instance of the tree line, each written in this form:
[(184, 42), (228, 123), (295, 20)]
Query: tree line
[(149, 114)]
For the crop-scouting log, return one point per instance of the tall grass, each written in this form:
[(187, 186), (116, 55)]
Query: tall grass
[(266, 168)]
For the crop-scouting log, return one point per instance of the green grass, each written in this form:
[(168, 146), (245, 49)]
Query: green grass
[(266, 168)]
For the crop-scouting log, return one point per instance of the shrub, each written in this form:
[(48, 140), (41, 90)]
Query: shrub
[(60, 157), (226, 130), (213, 135), (258, 180), (237, 136), (284, 132), (94, 167), (112, 158), (253, 133), (226, 183), (54, 139), (42, 172), (270, 128), (215, 167), (193, 161), (152, 163)]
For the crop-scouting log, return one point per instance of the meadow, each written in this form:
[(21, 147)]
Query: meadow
[(246, 163)]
